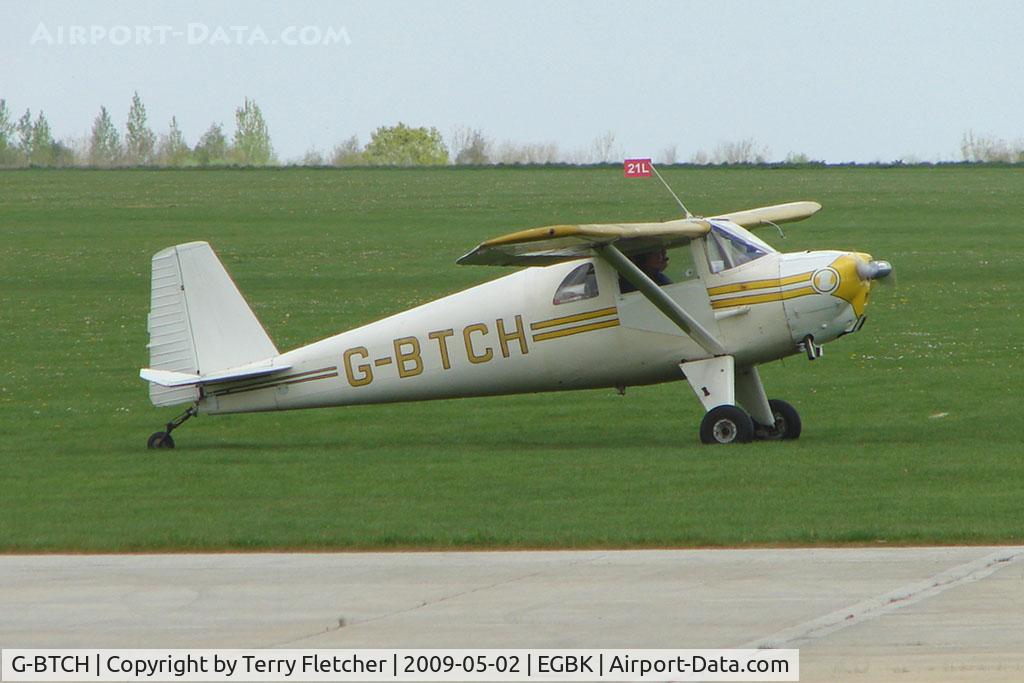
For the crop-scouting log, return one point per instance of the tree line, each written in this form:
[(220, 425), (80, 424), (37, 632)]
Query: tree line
[(28, 141)]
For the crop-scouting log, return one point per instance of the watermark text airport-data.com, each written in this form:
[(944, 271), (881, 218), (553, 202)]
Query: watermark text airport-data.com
[(192, 33)]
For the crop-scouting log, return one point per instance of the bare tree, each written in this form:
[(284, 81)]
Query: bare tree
[(990, 148), (745, 151), (669, 155), (348, 153), (604, 149), (531, 153), (700, 157), (76, 150), (469, 146), (312, 157)]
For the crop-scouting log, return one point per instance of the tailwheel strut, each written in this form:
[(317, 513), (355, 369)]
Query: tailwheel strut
[(163, 439)]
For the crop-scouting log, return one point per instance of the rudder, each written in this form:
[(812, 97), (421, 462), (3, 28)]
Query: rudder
[(198, 323)]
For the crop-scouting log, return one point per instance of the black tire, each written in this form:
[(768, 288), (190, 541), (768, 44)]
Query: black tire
[(726, 424), (787, 422), (160, 440)]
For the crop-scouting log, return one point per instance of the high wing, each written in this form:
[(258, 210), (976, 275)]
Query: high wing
[(767, 215), (557, 243), (613, 242)]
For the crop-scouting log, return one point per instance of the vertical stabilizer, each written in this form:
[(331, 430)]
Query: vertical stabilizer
[(198, 321)]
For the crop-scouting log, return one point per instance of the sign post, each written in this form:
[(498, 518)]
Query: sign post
[(644, 168)]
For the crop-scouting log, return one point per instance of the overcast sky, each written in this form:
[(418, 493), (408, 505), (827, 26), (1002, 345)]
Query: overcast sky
[(838, 81)]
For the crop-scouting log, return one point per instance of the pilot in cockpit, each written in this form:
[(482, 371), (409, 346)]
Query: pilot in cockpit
[(653, 264)]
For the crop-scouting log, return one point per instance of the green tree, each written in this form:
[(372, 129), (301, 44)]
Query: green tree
[(105, 143), (64, 155), (404, 146), (173, 150), (252, 141), (8, 146), (212, 148), (140, 141), (42, 153), (24, 128)]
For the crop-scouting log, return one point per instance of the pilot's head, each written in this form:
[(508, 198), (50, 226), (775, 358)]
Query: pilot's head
[(652, 261)]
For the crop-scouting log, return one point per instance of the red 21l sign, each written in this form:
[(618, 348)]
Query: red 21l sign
[(637, 168)]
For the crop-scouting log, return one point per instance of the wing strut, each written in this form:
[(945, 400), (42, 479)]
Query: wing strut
[(664, 303)]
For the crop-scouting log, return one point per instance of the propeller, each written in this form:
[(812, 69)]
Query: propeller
[(874, 270), (881, 276)]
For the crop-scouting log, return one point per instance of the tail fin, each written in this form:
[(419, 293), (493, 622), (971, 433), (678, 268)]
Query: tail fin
[(198, 321)]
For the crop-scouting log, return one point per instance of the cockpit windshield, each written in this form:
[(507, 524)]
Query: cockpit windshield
[(730, 245)]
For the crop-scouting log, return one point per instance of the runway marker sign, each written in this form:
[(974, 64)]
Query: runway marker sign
[(637, 168)]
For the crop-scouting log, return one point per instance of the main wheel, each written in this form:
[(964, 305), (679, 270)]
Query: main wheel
[(160, 440), (787, 422), (726, 424)]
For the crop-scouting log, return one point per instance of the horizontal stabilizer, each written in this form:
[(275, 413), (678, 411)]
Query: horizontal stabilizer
[(168, 378)]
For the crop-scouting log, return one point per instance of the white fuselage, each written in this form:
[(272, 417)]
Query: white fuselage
[(508, 336)]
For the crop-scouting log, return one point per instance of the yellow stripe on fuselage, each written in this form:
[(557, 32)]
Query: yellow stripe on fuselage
[(568, 331), (762, 298), (573, 318), (760, 284)]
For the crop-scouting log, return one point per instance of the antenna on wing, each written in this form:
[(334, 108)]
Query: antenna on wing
[(642, 168)]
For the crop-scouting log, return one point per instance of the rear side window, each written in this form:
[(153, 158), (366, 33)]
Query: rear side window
[(579, 284)]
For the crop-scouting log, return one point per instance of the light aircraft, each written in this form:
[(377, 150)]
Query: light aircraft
[(583, 314)]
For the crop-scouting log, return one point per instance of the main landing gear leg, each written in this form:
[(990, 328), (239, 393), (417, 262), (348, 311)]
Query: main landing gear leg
[(163, 439), (713, 380), (773, 418), (722, 389)]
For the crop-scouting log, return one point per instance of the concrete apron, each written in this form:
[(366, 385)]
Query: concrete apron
[(856, 614)]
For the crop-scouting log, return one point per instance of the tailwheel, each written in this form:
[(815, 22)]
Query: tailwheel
[(787, 422), (163, 439), (726, 424)]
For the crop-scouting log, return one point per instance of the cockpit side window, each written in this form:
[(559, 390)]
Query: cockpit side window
[(728, 249), (579, 284)]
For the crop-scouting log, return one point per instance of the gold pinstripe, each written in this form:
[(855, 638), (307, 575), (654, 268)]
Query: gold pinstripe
[(579, 329), (760, 284), (291, 379), (763, 298), (573, 318)]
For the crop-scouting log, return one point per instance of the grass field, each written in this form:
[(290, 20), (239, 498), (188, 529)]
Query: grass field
[(913, 430)]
